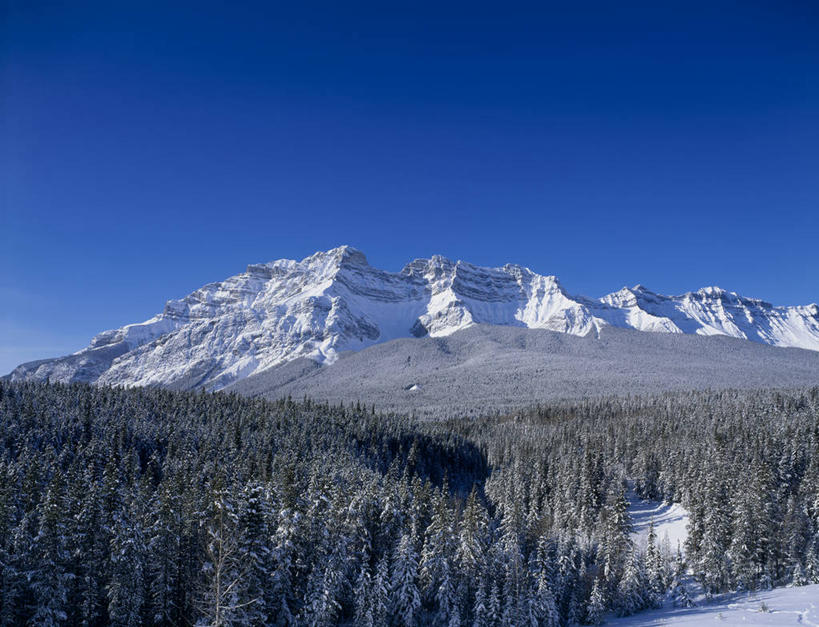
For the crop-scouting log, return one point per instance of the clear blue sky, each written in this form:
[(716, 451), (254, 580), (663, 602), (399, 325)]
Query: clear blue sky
[(149, 149)]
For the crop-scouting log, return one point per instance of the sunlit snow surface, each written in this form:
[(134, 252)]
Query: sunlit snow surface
[(670, 522), (781, 606)]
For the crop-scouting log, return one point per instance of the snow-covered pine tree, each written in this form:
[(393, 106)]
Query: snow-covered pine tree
[(596, 608), (51, 579), (546, 609), (797, 532), (126, 588), (678, 590), (405, 599), (362, 597), (745, 550), (470, 556), (224, 566), (166, 567), (812, 560), (380, 592), (633, 587), (284, 555), (712, 567), (18, 561), (617, 544), (655, 570), (493, 608), (253, 590), (480, 611), (437, 557), (321, 608)]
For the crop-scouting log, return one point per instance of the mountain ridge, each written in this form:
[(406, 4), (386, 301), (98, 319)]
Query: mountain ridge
[(335, 301)]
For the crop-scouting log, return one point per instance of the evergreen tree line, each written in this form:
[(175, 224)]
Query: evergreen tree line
[(145, 506)]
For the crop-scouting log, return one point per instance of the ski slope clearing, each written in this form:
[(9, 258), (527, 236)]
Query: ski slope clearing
[(781, 606), (670, 522)]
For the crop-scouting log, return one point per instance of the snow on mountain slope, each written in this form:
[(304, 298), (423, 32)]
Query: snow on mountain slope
[(335, 301), (713, 311), (487, 367)]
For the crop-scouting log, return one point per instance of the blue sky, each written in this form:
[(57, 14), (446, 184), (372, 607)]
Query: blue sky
[(147, 149)]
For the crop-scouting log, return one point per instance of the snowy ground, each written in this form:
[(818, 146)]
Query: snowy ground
[(781, 606), (669, 521)]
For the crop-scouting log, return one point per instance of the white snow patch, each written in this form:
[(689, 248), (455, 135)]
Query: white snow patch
[(780, 606), (670, 522)]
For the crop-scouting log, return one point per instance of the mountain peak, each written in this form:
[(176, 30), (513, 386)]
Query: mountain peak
[(712, 290), (340, 255), (422, 265), (334, 301)]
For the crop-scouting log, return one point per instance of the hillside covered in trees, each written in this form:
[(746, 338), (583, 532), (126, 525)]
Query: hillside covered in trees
[(146, 506)]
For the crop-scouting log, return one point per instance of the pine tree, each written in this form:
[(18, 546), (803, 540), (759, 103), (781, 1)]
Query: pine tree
[(796, 532), (322, 607), (812, 561), (18, 561), (406, 600), (514, 567), (546, 609), (363, 593), (93, 543), (493, 610), (679, 591), (480, 611), (617, 543), (632, 589), (654, 570), (223, 569), (380, 592), (284, 543), (712, 564), (126, 589), (51, 579), (437, 557), (471, 544), (799, 578), (254, 515), (596, 608), (744, 551), (165, 543)]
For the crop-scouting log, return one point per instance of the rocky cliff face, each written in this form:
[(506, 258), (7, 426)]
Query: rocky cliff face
[(335, 301)]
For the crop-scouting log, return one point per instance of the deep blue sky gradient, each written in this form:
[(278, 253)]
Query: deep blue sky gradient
[(147, 149)]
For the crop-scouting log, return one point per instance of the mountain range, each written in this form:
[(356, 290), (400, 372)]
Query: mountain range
[(333, 302)]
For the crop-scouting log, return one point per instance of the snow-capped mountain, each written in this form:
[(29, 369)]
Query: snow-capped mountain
[(335, 301)]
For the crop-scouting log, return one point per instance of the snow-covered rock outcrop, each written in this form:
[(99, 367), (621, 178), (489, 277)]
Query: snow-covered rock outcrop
[(335, 301)]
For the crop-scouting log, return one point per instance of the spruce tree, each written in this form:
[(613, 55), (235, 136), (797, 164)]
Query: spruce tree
[(126, 589), (596, 608), (405, 599), (50, 580)]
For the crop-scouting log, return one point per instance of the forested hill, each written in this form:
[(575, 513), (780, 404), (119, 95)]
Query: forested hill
[(147, 506)]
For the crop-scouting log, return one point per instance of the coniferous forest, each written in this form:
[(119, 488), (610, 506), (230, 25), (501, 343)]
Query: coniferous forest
[(145, 506)]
